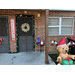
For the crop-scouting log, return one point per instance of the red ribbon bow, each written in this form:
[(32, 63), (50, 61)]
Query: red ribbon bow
[(68, 60)]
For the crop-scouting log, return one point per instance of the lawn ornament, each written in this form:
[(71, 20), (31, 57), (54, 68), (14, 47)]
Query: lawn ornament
[(42, 43), (72, 43), (38, 40), (1, 40), (64, 57), (54, 42)]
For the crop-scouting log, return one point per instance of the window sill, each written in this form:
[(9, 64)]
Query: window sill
[(62, 35)]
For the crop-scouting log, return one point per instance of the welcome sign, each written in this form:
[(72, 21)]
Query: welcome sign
[(13, 32)]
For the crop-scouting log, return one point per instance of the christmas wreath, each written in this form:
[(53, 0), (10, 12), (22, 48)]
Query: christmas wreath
[(25, 27)]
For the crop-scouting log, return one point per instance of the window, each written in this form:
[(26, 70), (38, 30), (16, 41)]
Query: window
[(61, 25), (3, 26)]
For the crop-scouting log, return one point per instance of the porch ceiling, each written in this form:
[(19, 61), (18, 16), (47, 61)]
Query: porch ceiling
[(62, 9)]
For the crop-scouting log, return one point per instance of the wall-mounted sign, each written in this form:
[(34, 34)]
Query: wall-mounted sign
[(13, 32)]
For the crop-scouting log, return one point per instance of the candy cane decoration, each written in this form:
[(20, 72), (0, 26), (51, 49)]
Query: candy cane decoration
[(54, 42), (71, 43)]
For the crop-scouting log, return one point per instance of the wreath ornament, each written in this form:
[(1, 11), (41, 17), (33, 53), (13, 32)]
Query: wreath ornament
[(25, 27)]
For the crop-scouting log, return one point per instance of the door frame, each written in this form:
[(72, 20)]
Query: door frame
[(16, 16)]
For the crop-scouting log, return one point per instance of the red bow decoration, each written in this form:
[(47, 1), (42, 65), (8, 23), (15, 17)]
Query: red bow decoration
[(1, 40), (68, 60)]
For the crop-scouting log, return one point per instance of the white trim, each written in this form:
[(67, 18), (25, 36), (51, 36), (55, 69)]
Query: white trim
[(61, 9), (73, 26), (59, 35), (59, 26), (53, 26), (60, 20), (61, 45), (49, 9)]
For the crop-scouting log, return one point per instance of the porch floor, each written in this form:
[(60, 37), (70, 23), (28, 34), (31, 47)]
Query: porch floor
[(24, 58)]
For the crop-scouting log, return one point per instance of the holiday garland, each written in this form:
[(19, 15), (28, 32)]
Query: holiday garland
[(17, 47)]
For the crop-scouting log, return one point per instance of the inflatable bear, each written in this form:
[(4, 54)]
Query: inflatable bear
[(64, 58)]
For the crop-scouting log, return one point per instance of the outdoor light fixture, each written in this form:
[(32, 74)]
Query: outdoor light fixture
[(38, 15), (25, 12), (20, 15)]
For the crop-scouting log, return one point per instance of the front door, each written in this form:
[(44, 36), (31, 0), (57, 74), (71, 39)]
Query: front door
[(4, 47), (25, 39)]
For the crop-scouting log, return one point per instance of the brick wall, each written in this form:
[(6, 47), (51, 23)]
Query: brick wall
[(52, 49), (12, 44), (39, 25), (40, 30)]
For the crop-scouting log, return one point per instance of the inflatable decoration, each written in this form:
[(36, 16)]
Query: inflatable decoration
[(38, 40), (42, 43), (1, 41), (64, 58)]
